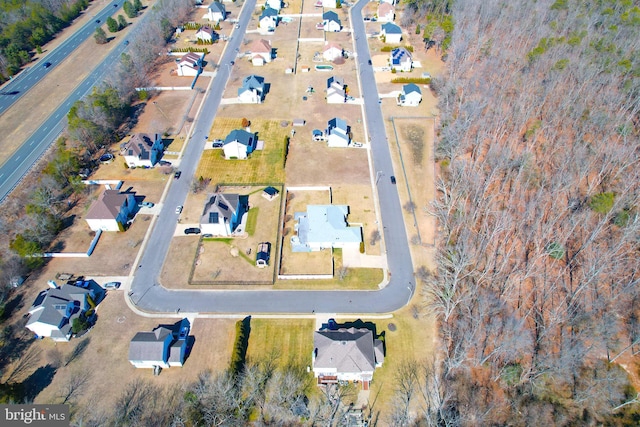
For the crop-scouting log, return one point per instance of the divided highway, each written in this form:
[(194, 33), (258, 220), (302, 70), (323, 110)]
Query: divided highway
[(146, 293)]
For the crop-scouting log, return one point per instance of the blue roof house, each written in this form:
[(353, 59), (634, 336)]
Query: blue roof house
[(268, 20), (391, 32), (337, 133), (239, 144), (411, 96), (252, 90), (322, 227), (331, 22)]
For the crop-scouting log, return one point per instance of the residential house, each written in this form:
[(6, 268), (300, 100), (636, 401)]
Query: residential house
[(261, 52), (268, 20), (216, 12), (263, 255), (400, 59), (346, 355), (274, 4), (223, 214), (323, 227), (337, 133), (239, 144), (391, 32), (391, 2), (332, 4), (386, 12), (142, 151), (252, 90), (206, 34), (190, 64), (111, 211), (164, 347), (411, 96), (330, 22), (53, 311), (336, 91), (332, 51)]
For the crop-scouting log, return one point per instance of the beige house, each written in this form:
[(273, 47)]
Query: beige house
[(331, 51), (111, 211), (261, 52)]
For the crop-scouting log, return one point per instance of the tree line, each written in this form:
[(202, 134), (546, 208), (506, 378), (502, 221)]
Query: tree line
[(536, 286)]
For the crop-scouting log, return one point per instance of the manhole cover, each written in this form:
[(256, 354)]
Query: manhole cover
[(392, 326), (284, 123)]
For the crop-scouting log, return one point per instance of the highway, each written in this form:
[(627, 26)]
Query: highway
[(21, 161), (148, 295)]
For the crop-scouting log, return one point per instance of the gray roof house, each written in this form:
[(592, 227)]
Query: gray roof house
[(239, 144), (252, 90), (337, 133), (216, 12), (391, 32), (223, 214), (111, 211), (331, 22), (324, 226), (53, 310), (268, 20), (336, 90), (411, 95), (142, 151), (163, 347), (346, 355)]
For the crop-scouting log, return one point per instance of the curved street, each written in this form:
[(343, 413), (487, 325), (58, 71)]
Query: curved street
[(147, 295)]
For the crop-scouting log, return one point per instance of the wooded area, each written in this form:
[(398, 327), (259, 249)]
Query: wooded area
[(536, 288)]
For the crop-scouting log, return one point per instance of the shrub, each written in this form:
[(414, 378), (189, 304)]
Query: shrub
[(555, 250), (239, 353), (602, 203), (361, 247), (416, 80), (390, 48)]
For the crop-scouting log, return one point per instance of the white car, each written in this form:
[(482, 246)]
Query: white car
[(112, 285), (178, 209)]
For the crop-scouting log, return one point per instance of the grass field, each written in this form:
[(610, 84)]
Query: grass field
[(264, 166), (290, 339)]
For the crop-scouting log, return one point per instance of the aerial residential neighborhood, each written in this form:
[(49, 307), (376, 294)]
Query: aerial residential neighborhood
[(319, 212)]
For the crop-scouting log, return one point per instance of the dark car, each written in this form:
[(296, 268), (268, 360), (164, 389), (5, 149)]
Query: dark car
[(115, 5), (97, 21), (126, 42), (164, 163), (46, 65), (177, 175), (393, 179), (369, 62), (192, 230)]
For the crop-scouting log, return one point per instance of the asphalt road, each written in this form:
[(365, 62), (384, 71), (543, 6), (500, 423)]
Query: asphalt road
[(17, 166), (149, 296)]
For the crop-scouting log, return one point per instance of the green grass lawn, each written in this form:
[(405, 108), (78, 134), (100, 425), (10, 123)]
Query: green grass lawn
[(252, 221), (290, 339), (264, 166)]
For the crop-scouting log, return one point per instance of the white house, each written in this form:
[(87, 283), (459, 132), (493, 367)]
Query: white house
[(223, 214), (252, 90), (331, 4), (324, 227), (274, 4), (164, 347), (261, 52), (346, 355), (111, 211), (391, 32), (206, 34), (216, 12), (411, 96), (331, 51), (142, 151), (400, 59), (239, 144), (386, 12), (53, 311), (330, 22), (268, 20), (391, 2), (190, 64), (336, 91), (337, 133)]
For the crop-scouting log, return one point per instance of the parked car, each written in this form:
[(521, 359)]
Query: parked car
[(393, 179), (112, 285), (126, 42), (177, 175), (164, 163), (192, 230), (218, 143), (147, 204), (179, 209), (207, 235)]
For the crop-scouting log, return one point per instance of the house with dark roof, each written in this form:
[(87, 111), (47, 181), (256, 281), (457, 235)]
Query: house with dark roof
[(53, 311), (330, 22), (391, 33), (400, 59), (324, 227), (223, 214), (337, 133), (411, 95), (346, 355), (239, 144), (142, 150), (111, 211), (268, 20), (252, 90), (190, 64), (263, 254), (163, 347), (216, 12), (270, 193)]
